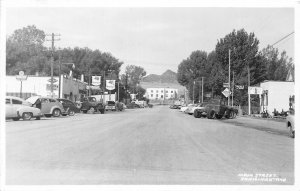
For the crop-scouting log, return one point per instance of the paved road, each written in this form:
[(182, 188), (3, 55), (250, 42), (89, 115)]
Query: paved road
[(147, 146)]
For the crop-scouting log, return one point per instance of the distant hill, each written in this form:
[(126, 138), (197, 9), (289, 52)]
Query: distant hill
[(167, 77)]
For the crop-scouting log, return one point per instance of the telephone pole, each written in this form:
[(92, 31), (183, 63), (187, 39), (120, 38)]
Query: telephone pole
[(52, 58), (229, 79)]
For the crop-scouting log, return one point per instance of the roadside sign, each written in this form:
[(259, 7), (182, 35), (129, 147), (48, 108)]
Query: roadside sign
[(239, 87), (54, 80), (226, 92), (255, 90), (21, 76), (226, 85), (96, 80), (110, 84)]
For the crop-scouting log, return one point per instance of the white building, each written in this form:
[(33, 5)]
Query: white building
[(161, 93), (276, 95), (72, 89)]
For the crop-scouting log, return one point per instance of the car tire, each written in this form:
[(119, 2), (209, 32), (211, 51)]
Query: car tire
[(38, 118), (84, 111), (26, 116), (56, 113), (16, 119), (71, 112), (102, 111), (219, 116), (197, 114), (212, 114)]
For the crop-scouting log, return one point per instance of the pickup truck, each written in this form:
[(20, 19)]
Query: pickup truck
[(216, 109), (110, 105), (89, 103)]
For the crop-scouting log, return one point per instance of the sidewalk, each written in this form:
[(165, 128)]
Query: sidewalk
[(275, 126)]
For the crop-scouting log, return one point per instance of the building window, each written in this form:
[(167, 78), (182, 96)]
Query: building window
[(151, 91), (162, 91), (151, 95), (156, 95), (161, 96), (166, 91), (171, 92), (156, 91)]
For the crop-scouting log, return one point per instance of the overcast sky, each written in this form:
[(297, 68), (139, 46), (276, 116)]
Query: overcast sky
[(155, 38)]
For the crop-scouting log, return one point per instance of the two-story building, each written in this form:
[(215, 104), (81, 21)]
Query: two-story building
[(161, 93)]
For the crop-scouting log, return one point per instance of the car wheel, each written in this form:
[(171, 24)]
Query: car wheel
[(218, 116), (71, 112), (16, 119), (38, 118), (212, 114), (56, 113), (197, 114), (47, 115), (26, 116), (102, 111), (84, 111)]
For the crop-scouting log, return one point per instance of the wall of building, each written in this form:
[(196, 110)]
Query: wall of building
[(33, 84), (278, 95), (161, 93), (38, 85)]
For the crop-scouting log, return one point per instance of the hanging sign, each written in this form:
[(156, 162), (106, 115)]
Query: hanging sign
[(110, 84), (96, 80)]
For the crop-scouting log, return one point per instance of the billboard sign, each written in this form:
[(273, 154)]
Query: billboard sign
[(255, 90)]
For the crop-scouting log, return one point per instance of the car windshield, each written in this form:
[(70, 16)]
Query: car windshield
[(111, 103)]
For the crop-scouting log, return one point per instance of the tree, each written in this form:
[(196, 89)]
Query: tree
[(244, 53), (132, 77), (25, 50), (277, 67), (192, 69)]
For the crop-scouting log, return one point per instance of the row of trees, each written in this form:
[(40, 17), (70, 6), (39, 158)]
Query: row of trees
[(25, 51), (266, 64)]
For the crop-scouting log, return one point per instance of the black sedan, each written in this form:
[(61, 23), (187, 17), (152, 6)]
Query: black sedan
[(69, 106)]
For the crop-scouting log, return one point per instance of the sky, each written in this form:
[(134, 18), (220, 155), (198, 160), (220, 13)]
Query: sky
[(156, 38)]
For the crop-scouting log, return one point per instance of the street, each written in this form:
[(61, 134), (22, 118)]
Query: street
[(148, 146)]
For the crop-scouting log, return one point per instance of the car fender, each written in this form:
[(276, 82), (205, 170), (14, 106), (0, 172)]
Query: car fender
[(33, 110), (54, 107)]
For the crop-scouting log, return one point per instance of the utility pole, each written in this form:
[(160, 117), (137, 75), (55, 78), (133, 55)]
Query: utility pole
[(52, 58), (229, 79), (193, 91), (249, 99), (232, 88), (202, 90), (199, 92)]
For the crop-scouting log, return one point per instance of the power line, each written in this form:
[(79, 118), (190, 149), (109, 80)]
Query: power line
[(283, 38)]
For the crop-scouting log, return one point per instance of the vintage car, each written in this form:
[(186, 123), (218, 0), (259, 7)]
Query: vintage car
[(184, 107), (110, 105), (216, 109), (69, 106), (290, 123), (48, 106), (17, 108), (190, 108), (91, 103)]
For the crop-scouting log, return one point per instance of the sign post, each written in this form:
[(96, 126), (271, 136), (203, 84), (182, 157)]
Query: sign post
[(21, 77)]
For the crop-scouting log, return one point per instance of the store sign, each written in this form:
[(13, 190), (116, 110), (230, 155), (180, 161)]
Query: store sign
[(48, 87), (96, 80), (110, 84), (21, 76), (255, 90)]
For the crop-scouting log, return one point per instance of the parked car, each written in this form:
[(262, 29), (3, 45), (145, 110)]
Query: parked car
[(174, 106), (218, 109), (290, 123), (132, 105), (110, 105), (69, 106), (189, 109), (185, 107), (48, 106), (17, 108), (88, 103)]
